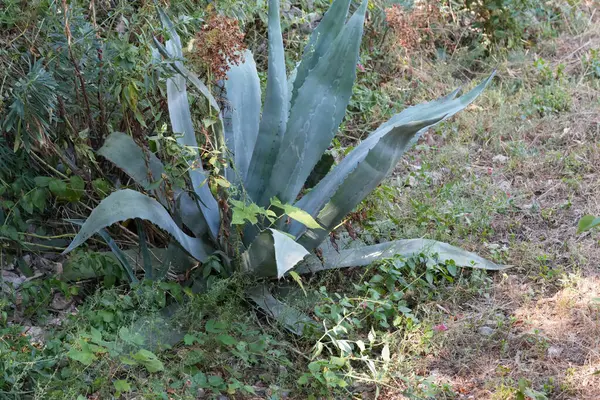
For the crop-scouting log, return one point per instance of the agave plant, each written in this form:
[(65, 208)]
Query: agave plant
[(273, 146)]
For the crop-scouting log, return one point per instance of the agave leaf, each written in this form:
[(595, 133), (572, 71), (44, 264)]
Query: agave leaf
[(119, 255), (128, 204), (242, 112), (192, 78), (291, 318), (272, 254), (401, 126), (142, 166), (320, 42), (147, 260), (275, 111), (189, 211), (317, 112), (116, 252), (181, 121), (366, 255), (363, 179)]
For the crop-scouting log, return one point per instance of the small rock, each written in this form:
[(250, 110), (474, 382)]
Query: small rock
[(485, 331), (59, 302), (500, 159), (200, 393), (554, 351), (410, 182), (35, 333), (15, 279), (436, 177), (222, 397), (504, 185)]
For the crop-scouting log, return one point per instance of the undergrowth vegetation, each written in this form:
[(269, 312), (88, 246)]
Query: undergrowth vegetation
[(511, 178)]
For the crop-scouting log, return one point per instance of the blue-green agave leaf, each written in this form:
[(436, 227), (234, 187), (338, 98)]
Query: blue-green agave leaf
[(317, 112), (188, 210), (146, 257), (114, 248), (242, 112), (320, 42), (141, 165), (119, 255), (275, 112), (272, 254), (366, 255), (192, 78), (129, 204), (292, 319), (181, 122), (401, 126)]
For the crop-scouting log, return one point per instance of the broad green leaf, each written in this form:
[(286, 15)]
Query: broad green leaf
[(128, 204), (242, 212), (363, 256), (587, 222), (227, 340), (317, 112), (85, 356), (58, 187), (292, 319), (298, 280), (274, 116), (242, 113), (122, 386), (148, 360), (272, 254), (214, 326), (131, 337), (42, 181), (401, 127), (141, 165), (38, 198), (320, 41), (296, 213)]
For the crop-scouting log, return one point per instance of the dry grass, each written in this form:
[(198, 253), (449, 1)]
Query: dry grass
[(544, 314)]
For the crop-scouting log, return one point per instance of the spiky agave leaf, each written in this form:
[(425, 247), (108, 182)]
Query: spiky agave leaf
[(317, 112), (342, 189), (272, 254), (242, 114), (275, 112), (366, 255), (129, 204), (181, 122)]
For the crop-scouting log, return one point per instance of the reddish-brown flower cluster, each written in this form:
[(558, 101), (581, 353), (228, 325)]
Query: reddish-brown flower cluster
[(410, 28), (219, 42)]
